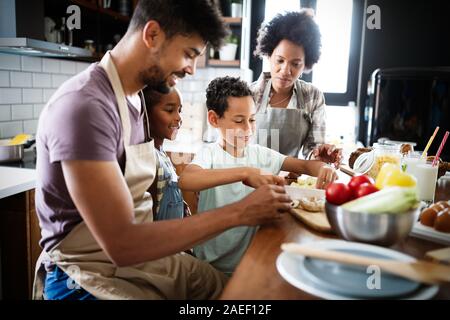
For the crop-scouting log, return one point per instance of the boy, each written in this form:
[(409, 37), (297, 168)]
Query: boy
[(219, 168)]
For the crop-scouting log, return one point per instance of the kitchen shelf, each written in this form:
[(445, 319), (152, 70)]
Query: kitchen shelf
[(223, 63), (232, 20), (105, 11)]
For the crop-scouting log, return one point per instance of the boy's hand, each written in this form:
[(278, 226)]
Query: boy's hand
[(326, 176), (256, 178), (265, 204)]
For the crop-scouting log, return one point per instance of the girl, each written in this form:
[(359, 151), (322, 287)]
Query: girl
[(165, 120)]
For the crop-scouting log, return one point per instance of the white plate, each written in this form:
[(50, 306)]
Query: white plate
[(297, 193), (288, 267), (430, 234)]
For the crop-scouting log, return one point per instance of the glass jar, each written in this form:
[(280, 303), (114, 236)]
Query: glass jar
[(370, 163), (89, 45)]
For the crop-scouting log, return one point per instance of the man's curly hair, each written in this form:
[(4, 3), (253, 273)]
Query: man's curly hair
[(220, 89), (298, 27)]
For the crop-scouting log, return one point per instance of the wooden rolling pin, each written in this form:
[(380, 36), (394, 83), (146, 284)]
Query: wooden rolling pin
[(420, 271)]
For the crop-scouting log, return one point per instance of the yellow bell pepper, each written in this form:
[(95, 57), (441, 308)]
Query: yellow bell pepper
[(391, 175)]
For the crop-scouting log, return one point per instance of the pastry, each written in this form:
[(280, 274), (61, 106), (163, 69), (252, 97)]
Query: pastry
[(312, 204), (442, 222), (406, 148), (355, 154), (437, 216)]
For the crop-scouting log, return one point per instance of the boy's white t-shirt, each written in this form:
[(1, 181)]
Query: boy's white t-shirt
[(225, 250)]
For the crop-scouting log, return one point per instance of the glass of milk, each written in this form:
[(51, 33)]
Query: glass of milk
[(411, 160), (426, 176)]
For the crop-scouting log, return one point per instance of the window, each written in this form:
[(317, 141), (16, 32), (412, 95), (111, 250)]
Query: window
[(274, 7), (336, 73), (335, 21)]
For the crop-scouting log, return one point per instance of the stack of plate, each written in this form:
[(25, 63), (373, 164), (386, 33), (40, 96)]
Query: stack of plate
[(332, 280)]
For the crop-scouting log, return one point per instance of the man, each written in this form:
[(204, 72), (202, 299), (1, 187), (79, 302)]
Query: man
[(96, 163)]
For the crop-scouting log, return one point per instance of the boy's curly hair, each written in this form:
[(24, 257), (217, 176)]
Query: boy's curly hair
[(220, 89), (298, 27)]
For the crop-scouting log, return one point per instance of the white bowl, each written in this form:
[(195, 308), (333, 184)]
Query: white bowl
[(297, 193)]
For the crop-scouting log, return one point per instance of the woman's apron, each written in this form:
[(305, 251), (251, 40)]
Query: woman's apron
[(281, 129), (79, 255)]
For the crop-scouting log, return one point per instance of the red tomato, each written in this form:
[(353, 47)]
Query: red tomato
[(356, 181), (365, 189), (338, 193)]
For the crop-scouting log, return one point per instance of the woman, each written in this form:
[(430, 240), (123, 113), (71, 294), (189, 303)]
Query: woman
[(291, 112)]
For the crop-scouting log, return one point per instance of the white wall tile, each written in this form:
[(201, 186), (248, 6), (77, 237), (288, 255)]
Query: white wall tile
[(187, 97), (21, 79), (30, 126), (5, 112), (47, 94), (37, 109), (9, 61), (42, 80), (10, 95), (32, 95), (81, 66), (31, 64), (21, 111), (4, 78), (68, 67), (58, 79), (50, 65), (201, 74), (195, 86), (199, 97), (10, 129)]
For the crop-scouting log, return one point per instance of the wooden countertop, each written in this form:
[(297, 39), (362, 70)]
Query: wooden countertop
[(256, 277)]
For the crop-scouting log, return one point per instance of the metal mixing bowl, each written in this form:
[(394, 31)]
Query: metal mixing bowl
[(384, 229)]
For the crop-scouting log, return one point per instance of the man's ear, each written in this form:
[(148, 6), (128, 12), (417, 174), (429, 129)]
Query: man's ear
[(152, 35), (213, 118)]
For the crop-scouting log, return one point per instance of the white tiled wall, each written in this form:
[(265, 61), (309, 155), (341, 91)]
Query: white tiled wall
[(193, 90), (26, 84)]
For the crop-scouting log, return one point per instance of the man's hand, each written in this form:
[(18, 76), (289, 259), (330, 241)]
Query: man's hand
[(326, 176), (328, 153), (266, 204), (257, 178)]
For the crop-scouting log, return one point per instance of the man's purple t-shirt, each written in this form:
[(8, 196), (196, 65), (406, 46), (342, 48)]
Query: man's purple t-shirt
[(80, 122)]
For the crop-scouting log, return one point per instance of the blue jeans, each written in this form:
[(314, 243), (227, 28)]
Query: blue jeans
[(56, 287)]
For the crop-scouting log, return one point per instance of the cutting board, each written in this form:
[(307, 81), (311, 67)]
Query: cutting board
[(315, 220)]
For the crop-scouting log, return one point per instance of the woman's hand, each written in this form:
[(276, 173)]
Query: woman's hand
[(326, 175), (328, 153)]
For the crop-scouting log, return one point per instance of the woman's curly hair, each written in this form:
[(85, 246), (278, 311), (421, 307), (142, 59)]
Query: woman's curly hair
[(298, 27), (220, 89)]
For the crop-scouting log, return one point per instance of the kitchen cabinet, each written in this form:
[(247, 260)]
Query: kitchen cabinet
[(19, 238), (101, 22), (19, 232)]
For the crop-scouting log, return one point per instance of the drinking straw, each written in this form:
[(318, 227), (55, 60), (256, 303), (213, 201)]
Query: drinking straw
[(438, 154), (430, 142)]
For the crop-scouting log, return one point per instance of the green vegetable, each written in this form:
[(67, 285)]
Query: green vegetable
[(387, 200)]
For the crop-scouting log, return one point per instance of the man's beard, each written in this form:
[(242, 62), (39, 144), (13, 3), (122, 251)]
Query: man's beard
[(153, 78)]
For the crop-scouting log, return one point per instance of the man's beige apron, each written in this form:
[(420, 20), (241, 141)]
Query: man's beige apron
[(79, 255)]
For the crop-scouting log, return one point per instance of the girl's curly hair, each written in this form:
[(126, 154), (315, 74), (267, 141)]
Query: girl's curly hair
[(298, 27)]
